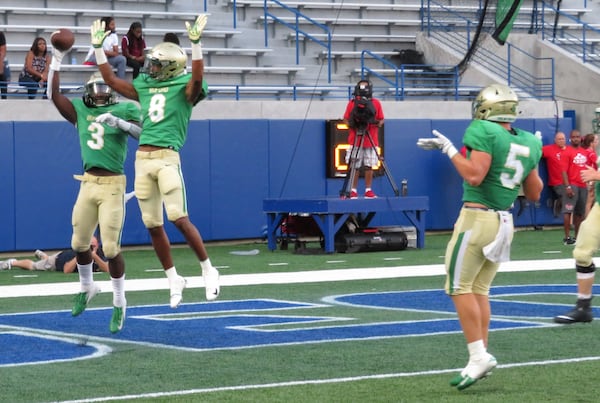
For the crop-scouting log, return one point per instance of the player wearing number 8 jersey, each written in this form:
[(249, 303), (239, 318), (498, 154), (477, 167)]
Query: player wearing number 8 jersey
[(166, 93), (500, 159)]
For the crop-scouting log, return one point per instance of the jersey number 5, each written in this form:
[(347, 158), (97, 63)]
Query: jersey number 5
[(515, 177)]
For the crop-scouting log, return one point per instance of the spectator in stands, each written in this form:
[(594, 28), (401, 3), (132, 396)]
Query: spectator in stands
[(364, 116), (64, 261), (576, 159), (4, 70), (554, 164), (133, 47), (35, 71), (590, 143), (171, 37), (484, 230), (111, 48), (159, 184)]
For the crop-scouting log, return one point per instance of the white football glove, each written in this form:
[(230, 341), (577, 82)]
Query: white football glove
[(109, 119), (440, 142), (57, 57), (195, 31), (538, 135), (98, 33), (113, 121)]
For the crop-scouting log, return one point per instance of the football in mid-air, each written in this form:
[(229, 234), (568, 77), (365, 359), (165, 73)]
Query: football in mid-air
[(62, 39)]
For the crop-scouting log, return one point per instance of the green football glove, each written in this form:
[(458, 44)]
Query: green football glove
[(195, 31), (99, 33)]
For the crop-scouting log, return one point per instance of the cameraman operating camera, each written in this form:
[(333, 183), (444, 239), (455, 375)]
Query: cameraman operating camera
[(364, 116)]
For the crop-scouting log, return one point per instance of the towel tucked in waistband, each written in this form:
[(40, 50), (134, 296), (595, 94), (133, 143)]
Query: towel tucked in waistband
[(498, 250)]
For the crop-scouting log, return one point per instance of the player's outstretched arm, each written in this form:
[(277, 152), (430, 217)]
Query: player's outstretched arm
[(194, 87), (472, 170), (62, 103), (123, 87), (110, 120)]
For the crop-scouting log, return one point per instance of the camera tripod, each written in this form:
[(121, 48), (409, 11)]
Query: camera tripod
[(359, 141)]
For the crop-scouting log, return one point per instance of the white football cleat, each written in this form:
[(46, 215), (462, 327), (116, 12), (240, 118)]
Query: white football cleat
[(7, 264), (211, 283), (474, 371), (177, 286)]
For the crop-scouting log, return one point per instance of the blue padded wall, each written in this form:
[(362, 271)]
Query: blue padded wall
[(7, 187), (229, 168)]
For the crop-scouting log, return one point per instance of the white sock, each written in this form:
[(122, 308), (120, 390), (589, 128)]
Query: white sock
[(118, 285), (86, 277), (205, 264), (367, 189), (171, 273), (476, 350)]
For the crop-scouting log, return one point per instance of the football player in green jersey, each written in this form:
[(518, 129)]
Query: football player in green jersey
[(101, 198), (501, 160), (586, 246), (166, 93)]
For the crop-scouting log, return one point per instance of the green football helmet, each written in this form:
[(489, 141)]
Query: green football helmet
[(496, 103), (165, 61), (97, 93)]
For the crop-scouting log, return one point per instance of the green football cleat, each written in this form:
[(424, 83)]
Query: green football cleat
[(117, 319), (83, 298)]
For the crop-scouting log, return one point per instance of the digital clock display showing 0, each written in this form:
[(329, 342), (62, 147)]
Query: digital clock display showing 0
[(337, 146)]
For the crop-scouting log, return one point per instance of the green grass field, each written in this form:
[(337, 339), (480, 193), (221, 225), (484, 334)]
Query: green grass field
[(544, 363)]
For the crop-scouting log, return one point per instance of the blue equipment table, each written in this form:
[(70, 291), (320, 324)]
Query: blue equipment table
[(331, 213)]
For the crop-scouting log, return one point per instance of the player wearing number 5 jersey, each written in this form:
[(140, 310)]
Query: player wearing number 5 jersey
[(101, 198), (166, 93), (500, 159)]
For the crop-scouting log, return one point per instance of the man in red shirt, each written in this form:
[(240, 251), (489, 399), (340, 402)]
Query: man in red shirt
[(575, 159), (552, 153), (363, 119)]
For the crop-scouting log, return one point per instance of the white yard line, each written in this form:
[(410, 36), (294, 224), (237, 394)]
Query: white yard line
[(309, 276), (320, 381)]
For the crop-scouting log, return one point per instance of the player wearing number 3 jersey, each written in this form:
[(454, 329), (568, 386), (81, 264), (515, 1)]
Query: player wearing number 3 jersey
[(101, 198), (499, 160), (166, 93)]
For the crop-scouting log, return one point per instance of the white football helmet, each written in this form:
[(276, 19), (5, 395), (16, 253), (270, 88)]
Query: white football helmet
[(165, 61), (97, 93), (497, 103)]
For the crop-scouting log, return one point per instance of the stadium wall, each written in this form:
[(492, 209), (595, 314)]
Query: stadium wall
[(231, 165)]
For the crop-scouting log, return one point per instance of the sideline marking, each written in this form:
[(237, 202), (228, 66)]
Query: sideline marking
[(307, 276), (323, 381)]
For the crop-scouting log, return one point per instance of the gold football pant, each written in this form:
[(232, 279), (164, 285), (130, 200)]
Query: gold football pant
[(100, 202), (467, 269)]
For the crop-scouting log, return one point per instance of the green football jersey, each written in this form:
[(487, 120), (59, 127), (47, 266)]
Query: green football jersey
[(103, 146), (514, 155), (165, 110)]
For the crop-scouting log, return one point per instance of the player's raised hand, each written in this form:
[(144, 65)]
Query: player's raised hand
[(99, 33), (439, 142), (195, 31)]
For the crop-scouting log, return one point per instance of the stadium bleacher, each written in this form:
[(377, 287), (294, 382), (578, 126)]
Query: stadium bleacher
[(236, 54)]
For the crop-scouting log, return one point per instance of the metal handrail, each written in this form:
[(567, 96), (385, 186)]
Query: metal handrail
[(459, 37), (296, 28)]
